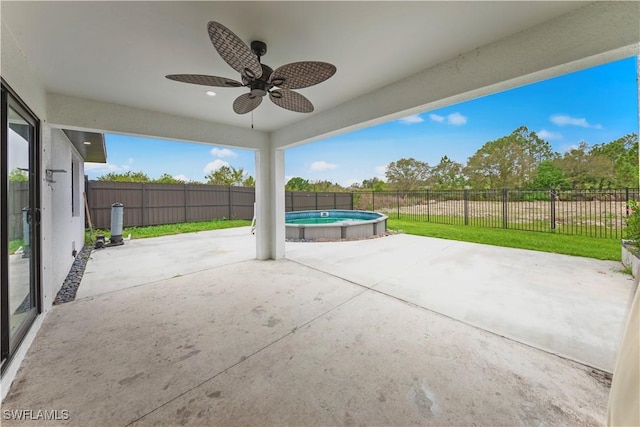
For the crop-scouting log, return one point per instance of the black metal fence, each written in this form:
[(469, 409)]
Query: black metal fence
[(595, 213)]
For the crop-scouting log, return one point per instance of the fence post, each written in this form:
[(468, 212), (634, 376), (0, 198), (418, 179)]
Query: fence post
[(335, 201), (352, 200), (552, 196), (87, 194), (292, 200), (398, 202), (186, 208), (465, 194), (626, 199), (144, 204), (373, 201), (230, 204), (316, 200), (504, 207), (428, 206)]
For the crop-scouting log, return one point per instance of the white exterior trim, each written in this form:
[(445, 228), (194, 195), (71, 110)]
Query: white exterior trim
[(84, 114)]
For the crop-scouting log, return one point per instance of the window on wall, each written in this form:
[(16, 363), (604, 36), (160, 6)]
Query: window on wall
[(75, 187)]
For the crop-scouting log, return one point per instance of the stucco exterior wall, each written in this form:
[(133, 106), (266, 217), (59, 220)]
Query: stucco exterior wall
[(62, 231), (67, 229)]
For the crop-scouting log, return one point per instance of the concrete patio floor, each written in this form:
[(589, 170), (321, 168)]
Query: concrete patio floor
[(572, 306), (246, 342)]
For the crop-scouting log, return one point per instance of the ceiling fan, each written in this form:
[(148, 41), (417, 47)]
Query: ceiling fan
[(259, 78)]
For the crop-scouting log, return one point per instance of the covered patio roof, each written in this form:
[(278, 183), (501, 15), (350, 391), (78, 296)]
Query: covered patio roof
[(101, 66)]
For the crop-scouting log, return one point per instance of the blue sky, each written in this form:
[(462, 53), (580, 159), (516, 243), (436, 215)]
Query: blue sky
[(596, 105)]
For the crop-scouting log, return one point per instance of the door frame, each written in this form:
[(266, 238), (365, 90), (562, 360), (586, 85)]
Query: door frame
[(11, 99)]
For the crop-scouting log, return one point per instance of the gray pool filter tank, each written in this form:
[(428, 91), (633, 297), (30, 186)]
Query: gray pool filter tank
[(117, 221)]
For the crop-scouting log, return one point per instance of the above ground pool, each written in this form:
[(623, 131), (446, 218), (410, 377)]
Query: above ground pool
[(334, 224)]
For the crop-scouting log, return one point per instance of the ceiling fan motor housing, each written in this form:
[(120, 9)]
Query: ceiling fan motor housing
[(261, 86)]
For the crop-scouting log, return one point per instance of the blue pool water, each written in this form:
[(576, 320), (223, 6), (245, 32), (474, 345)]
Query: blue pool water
[(329, 216)]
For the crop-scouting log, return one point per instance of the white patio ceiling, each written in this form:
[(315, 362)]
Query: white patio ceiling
[(103, 63)]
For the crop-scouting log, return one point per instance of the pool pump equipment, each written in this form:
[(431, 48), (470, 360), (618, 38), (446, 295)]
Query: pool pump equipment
[(117, 224), (117, 221)]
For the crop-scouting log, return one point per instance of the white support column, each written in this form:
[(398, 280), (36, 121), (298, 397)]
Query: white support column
[(270, 228)]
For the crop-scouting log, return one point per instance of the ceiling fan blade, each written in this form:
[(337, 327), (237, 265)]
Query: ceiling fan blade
[(298, 75), (291, 100), (204, 80), (233, 50), (246, 103)]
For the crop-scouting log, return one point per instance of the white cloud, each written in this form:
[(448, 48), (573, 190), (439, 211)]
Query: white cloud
[(130, 160), (456, 119), (567, 148), (215, 165), (564, 120), (222, 152), (409, 120), (126, 167), (321, 165), (350, 182), (102, 167), (181, 177), (382, 169), (545, 134)]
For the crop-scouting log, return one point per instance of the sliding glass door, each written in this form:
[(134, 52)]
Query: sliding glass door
[(20, 222)]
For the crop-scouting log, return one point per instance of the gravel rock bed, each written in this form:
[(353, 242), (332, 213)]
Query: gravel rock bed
[(72, 282)]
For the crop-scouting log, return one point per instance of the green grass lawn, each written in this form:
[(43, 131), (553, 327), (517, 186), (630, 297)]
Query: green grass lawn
[(168, 229), (573, 228), (14, 245), (605, 249)]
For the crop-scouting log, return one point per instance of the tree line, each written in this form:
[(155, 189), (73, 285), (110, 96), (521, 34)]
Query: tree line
[(225, 175), (519, 160)]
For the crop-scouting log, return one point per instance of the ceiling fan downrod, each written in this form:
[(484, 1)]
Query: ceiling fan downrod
[(260, 86)]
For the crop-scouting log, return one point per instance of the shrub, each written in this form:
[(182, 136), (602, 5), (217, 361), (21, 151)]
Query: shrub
[(632, 230)]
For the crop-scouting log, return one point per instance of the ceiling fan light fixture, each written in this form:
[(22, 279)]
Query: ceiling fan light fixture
[(278, 81), (250, 74), (258, 92)]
